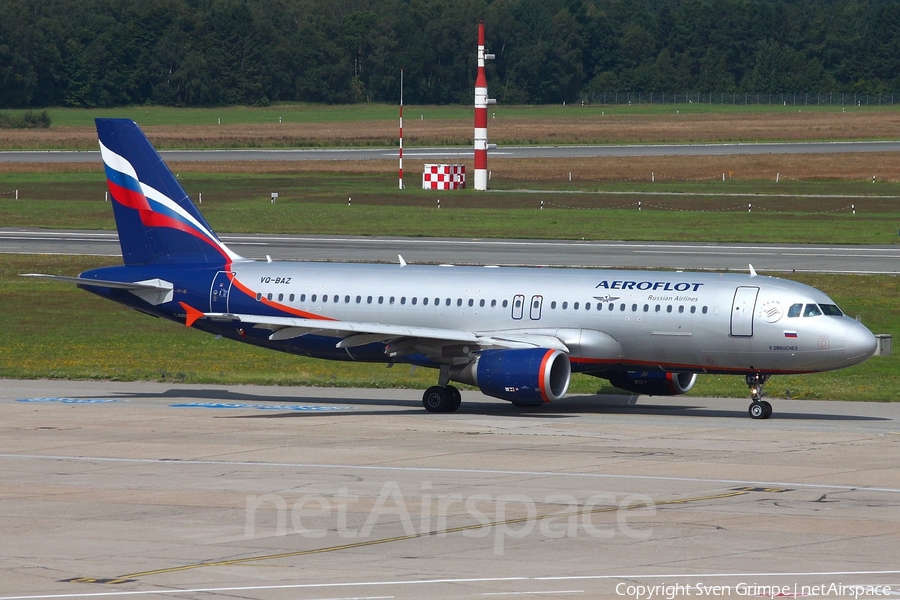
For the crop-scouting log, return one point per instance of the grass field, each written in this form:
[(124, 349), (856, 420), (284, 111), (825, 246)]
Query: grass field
[(54, 330), (298, 125), (316, 203)]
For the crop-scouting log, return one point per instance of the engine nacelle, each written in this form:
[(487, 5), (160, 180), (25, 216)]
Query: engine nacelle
[(524, 377), (653, 383)]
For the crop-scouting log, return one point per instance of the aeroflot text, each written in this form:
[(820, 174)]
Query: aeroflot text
[(671, 592), (667, 286)]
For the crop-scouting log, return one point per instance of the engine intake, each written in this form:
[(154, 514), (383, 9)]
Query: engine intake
[(524, 377), (653, 383)]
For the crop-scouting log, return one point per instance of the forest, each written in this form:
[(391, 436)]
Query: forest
[(97, 53)]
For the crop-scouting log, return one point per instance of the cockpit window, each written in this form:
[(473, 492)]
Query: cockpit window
[(812, 310), (795, 310), (831, 310)]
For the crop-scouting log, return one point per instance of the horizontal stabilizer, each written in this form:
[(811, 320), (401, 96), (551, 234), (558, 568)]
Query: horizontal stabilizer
[(154, 291)]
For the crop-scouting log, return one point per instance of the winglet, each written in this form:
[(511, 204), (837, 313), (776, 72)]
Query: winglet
[(191, 314)]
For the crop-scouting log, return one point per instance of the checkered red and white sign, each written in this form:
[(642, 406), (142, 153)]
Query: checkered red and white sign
[(444, 177)]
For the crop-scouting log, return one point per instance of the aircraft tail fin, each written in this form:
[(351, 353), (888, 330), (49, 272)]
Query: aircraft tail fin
[(156, 219)]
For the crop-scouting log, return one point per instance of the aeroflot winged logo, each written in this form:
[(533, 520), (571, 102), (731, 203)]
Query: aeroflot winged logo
[(666, 286), (155, 208)]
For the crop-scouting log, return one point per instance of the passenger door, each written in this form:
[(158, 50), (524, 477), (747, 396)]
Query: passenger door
[(742, 311)]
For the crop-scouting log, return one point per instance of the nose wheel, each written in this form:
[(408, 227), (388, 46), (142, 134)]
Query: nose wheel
[(759, 408)]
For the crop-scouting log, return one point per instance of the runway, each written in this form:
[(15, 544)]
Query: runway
[(462, 153), (158, 490), (764, 257)]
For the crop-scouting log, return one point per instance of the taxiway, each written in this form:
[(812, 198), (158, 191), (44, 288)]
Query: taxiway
[(159, 490)]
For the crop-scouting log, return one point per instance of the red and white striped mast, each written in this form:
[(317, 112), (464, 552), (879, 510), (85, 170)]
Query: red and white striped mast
[(401, 129), (481, 118)]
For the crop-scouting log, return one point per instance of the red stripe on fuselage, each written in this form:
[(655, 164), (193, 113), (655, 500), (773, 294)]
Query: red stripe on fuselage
[(631, 365), (277, 305)]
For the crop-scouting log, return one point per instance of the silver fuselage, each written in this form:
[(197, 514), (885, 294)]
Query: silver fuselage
[(680, 321)]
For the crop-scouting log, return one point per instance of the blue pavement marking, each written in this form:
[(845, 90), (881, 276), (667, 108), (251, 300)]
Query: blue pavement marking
[(69, 400), (261, 406)]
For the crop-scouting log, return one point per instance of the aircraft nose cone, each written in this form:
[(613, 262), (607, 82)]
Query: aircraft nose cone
[(859, 343)]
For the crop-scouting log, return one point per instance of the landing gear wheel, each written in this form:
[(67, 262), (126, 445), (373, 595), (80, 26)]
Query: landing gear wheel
[(441, 399), (455, 398), (759, 408), (436, 399)]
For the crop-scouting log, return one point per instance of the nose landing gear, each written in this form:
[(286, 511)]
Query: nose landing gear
[(759, 408)]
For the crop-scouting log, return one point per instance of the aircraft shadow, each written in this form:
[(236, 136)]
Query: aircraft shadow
[(568, 407)]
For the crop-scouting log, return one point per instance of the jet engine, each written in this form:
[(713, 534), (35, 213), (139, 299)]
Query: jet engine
[(652, 383), (527, 377)]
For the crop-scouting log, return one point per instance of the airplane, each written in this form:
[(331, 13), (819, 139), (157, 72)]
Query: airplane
[(517, 333)]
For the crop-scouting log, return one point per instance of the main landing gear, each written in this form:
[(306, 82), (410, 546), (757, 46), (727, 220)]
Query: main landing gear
[(439, 398), (759, 408), (442, 397)]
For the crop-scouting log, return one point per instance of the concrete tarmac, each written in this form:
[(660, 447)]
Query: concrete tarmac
[(167, 490)]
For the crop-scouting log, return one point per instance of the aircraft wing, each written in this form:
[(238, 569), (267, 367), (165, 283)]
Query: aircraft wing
[(361, 333)]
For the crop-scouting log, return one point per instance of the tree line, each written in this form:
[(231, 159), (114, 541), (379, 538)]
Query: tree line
[(96, 53)]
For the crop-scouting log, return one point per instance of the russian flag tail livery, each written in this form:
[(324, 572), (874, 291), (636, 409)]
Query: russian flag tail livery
[(156, 219)]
